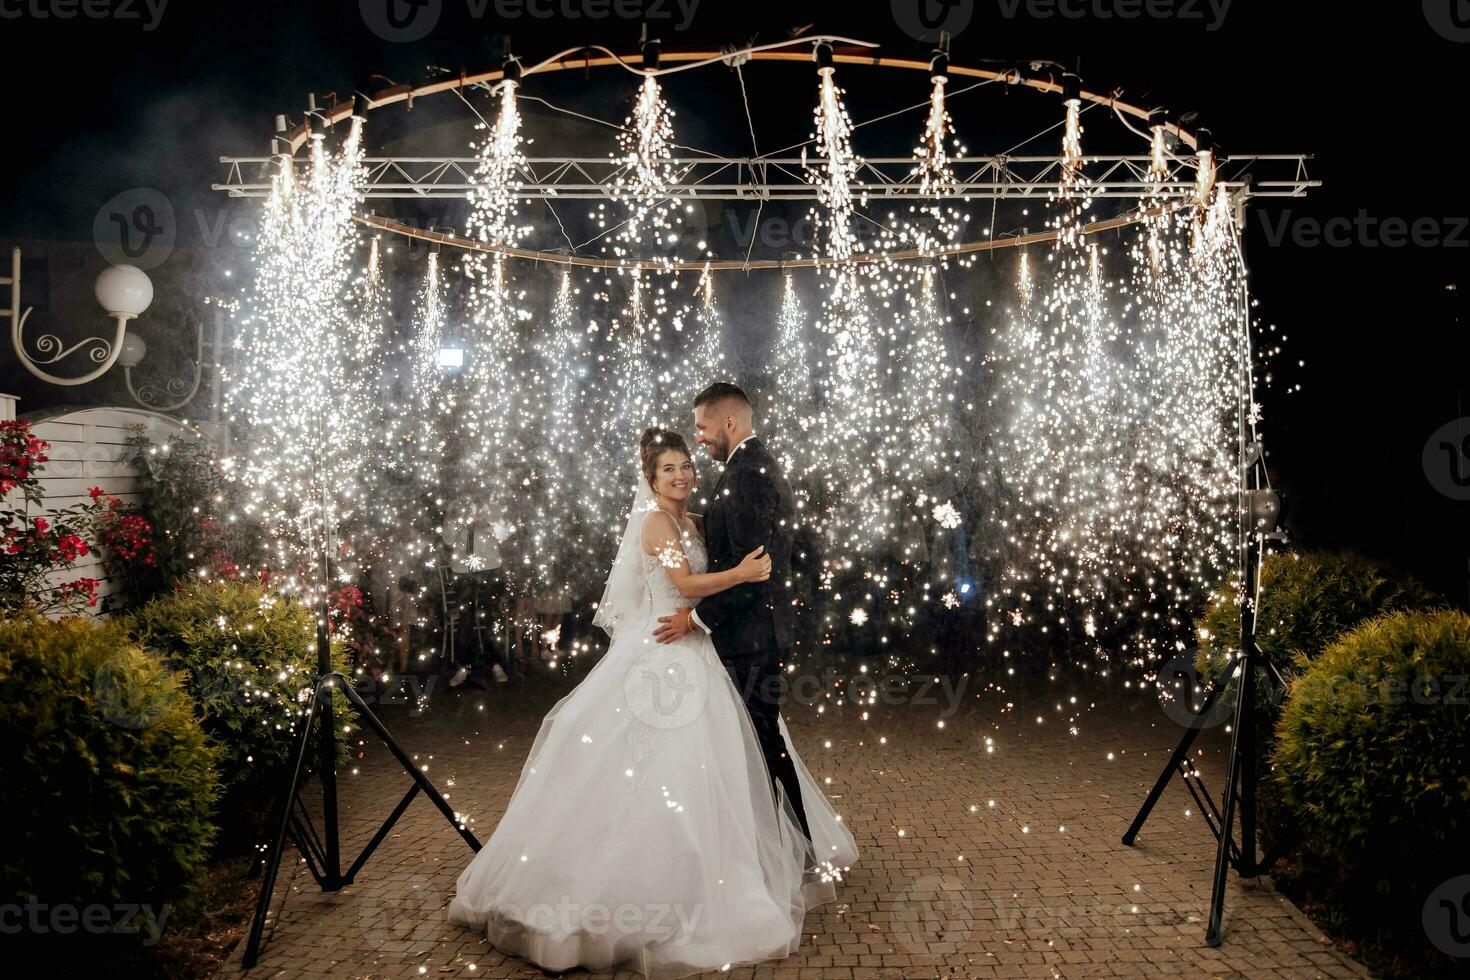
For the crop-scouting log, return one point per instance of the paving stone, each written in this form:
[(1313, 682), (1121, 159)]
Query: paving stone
[(1000, 891)]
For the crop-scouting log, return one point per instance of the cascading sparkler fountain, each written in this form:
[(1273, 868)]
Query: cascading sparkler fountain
[(1106, 472), (1115, 455), (305, 414)]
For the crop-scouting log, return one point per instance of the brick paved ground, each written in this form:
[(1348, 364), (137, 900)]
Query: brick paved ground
[(949, 883)]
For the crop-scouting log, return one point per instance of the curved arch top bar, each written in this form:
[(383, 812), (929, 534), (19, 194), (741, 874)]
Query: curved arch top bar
[(1121, 177), (590, 56), (558, 258)]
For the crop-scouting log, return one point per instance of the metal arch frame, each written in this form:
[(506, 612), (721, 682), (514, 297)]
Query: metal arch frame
[(713, 178), (577, 177), (658, 265), (340, 111)]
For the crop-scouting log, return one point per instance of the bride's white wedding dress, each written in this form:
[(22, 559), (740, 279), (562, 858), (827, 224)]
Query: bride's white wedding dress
[(645, 831)]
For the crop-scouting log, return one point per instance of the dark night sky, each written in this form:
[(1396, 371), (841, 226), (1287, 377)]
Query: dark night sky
[(98, 106)]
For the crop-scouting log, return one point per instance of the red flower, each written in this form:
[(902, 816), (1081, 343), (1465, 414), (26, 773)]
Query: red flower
[(95, 492), (19, 453), (41, 524), (71, 547), (83, 586)]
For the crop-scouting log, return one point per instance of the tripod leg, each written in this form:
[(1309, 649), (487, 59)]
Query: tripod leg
[(403, 760), (327, 770), (1180, 751), (273, 860), (1246, 722), (1227, 817)]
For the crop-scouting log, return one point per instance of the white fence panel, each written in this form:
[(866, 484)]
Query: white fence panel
[(89, 448)]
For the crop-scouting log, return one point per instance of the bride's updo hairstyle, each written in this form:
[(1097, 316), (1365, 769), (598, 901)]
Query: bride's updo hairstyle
[(654, 443)]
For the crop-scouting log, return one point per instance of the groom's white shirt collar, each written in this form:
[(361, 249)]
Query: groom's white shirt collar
[(693, 613), (737, 448)]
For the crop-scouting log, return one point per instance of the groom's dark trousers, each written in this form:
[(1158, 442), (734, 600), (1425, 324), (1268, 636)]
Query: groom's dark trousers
[(753, 624)]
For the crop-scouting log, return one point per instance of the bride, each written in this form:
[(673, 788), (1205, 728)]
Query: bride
[(645, 830)]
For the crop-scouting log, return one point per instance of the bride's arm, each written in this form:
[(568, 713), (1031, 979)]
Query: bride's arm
[(661, 540)]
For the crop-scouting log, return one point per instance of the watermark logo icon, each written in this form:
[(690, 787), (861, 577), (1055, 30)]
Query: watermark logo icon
[(1446, 916), (926, 20), (1446, 459), (666, 689), (122, 700), (1182, 693), (401, 21), (137, 227), (1449, 18), (938, 911)]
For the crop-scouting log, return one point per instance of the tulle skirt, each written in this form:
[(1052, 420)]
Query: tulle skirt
[(645, 832)]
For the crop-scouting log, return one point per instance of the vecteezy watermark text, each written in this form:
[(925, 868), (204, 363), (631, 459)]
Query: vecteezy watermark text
[(120, 918), (669, 921), (150, 12), (1364, 230), (405, 21), (1211, 13)]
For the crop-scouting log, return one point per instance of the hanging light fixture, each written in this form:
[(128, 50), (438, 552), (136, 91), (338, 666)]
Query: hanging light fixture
[(124, 292), (822, 55), (1205, 152)]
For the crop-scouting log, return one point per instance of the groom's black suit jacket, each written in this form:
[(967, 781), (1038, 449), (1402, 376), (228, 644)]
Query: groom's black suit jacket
[(751, 507)]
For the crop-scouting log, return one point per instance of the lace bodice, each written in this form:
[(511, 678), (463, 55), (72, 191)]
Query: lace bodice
[(666, 597)]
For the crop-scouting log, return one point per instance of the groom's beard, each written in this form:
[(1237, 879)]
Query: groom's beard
[(722, 451)]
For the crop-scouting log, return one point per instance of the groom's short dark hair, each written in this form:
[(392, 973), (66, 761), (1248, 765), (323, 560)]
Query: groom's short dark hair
[(721, 391)]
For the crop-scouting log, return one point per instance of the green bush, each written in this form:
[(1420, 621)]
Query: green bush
[(248, 657), (104, 769), (184, 495), (1372, 748), (1307, 601)]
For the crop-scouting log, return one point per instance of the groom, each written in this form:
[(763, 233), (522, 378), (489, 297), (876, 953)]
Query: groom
[(752, 625)]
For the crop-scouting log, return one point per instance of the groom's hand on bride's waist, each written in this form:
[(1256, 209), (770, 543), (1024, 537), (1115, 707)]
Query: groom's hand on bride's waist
[(673, 628)]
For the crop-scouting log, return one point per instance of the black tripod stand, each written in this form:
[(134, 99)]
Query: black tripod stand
[(1260, 510), (323, 853)]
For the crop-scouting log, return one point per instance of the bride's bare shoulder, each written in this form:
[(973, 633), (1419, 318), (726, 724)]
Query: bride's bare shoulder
[(659, 531)]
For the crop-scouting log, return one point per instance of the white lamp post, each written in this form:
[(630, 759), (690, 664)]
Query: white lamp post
[(181, 390), (124, 292)]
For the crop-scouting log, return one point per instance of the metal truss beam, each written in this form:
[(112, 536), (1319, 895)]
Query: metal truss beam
[(782, 178)]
